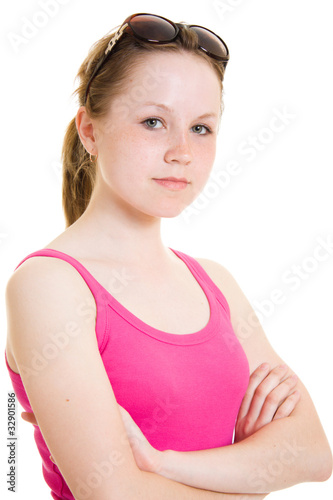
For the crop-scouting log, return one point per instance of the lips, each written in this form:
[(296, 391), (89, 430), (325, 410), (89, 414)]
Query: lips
[(173, 183), (173, 179)]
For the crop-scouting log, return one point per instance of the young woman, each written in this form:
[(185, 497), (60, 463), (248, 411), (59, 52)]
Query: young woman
[(126, 351)]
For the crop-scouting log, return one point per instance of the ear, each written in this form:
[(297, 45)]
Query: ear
[(85, 128)]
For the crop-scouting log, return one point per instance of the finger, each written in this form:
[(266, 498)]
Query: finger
[(256, 378), (288, 406), (134, 433), (275, 398), (273, 379), (29, 417), (130, 426), (51, 458), (124, 413)]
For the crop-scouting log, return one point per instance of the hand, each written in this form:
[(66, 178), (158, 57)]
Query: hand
[(147, 458), (29, 417), (269, 396)]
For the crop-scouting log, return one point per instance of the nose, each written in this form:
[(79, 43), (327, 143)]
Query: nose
[(179, 149)]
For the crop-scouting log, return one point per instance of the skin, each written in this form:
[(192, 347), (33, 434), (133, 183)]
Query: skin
[(121, 227)]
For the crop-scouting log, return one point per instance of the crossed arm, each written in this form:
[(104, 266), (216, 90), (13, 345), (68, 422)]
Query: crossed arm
[(261, 442), (280, 454), (270, 396), (279, 440), (270, 399)]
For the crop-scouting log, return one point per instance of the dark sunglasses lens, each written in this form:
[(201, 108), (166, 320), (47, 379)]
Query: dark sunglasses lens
[(152, 28), (210, 42)]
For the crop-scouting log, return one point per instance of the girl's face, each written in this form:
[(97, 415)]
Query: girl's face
[(157, 144)]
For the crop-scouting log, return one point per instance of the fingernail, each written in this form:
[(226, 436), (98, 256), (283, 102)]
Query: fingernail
[(294, 377), (282, 367), (264, 366)]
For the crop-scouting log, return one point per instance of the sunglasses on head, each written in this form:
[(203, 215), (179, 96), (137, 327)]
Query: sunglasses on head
[(156, 29)]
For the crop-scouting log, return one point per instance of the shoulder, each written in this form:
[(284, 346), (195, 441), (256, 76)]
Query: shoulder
[(43, 294), (240, 307), (224, 280), (44, 276), (244, 320), (215, 270)]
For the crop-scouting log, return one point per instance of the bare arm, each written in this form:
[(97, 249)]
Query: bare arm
[(42, 298)]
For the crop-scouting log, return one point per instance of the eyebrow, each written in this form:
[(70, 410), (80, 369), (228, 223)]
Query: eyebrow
[(170, 110)]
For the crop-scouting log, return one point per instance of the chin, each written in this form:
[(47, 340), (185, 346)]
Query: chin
[(168, 212), (163, 208)]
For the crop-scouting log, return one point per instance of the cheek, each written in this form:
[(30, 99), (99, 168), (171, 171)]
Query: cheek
[(132, 148), (202, 169), (124, 164), (204, 160)]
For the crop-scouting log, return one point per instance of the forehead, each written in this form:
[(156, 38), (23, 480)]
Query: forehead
[(177, 79)]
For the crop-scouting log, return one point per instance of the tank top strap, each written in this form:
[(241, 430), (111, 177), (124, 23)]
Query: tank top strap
[(202, 275), (98, 291), (92, 283)]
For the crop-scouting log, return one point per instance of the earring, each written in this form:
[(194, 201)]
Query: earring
[(91, 158)]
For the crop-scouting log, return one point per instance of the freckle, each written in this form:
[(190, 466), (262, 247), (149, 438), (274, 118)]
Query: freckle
[(67, 399)]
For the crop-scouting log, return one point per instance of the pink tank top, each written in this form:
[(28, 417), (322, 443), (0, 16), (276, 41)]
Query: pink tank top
[(183, 391)]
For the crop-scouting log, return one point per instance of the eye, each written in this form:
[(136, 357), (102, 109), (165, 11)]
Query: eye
[(201, 129), (153, 123)]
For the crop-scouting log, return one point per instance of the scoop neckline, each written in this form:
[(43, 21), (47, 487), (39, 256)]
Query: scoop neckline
[(196, 337)]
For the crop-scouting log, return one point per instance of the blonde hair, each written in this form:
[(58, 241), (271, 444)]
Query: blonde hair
[(79, 172)]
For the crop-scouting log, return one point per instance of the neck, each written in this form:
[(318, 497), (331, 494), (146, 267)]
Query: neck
[(110, 229)]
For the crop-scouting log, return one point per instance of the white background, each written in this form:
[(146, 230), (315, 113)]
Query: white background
[(265, 220)]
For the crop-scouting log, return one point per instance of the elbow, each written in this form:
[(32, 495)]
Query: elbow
[(322, 466), (327, 466), (126, 484)]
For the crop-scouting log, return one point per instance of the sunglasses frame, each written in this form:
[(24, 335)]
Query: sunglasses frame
[(127, 24)]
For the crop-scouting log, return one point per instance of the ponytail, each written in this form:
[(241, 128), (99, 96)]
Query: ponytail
[(78, 175)]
